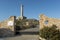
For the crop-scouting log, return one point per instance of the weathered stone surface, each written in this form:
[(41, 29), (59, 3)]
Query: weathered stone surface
[(8, 30), (46, 21)]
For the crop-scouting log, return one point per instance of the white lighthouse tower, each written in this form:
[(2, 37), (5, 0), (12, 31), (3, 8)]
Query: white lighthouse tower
[(21, 10), (21, 14)]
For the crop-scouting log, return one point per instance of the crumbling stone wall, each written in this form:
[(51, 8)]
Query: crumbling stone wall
[(7, 27), (48, 22)]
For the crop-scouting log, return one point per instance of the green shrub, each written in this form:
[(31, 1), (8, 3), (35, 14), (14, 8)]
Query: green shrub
[(22, 23), (50, 33)]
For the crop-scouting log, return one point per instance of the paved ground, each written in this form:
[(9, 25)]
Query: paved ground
[(23, 37), (27, 34)]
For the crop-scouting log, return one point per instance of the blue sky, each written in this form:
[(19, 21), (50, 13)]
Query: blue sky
[(32, 8)]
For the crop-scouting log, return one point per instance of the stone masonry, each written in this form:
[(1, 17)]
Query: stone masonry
[(46, 21), (7, 27)]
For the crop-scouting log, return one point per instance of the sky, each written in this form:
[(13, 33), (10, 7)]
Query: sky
[(32, 8)]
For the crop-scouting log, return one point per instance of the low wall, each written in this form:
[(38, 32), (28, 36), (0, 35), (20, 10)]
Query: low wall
[(7, 27), (46, 21)]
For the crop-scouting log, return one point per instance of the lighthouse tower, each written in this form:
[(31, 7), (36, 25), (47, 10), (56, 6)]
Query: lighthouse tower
[(21, 14), (21, 11)]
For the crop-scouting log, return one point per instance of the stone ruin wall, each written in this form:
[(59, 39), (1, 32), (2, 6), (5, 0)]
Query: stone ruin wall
[(11, 29), (46, 21)]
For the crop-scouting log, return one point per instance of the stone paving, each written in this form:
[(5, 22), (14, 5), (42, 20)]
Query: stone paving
[(23, 37)]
